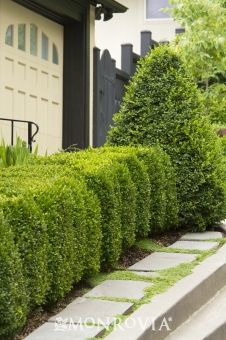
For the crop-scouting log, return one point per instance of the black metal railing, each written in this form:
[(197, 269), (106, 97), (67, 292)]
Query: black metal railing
[(30, 135)]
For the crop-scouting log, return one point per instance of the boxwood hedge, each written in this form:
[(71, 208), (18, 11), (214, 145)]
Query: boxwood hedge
[(163, 105), (69, 215), (13, 298)]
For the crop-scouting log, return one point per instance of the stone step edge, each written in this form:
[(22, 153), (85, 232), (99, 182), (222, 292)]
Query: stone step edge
[(169, 310), (205, 330)]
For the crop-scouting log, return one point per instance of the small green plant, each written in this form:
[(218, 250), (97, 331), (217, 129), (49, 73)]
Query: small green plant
[(17, 154)]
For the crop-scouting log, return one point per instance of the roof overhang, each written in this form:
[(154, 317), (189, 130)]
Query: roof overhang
[(71, 9)]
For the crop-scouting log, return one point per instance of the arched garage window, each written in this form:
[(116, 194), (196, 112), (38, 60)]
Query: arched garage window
[(9, 35), (22, 30)]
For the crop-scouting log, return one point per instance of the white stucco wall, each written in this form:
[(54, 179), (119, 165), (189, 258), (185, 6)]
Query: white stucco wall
[(126, 28)]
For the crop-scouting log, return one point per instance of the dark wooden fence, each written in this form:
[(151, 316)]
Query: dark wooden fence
[(109, 84)]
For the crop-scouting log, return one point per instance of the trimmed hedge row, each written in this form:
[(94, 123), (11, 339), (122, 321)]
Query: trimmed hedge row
[(71, 214)]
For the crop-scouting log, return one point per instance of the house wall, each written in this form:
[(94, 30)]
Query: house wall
[(126, 28)]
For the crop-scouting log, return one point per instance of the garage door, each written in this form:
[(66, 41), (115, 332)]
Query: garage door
[(31, 74)]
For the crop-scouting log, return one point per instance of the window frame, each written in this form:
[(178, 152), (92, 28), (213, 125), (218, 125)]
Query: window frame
[(169, 19)]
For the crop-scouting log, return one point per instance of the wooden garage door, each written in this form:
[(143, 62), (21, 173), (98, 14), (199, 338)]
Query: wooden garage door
[(31, 74)]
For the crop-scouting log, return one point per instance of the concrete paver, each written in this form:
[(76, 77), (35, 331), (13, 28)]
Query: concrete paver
[(158, 261), (191, 245), (207, 235), (119, 289), (63, 331), (100, 312)]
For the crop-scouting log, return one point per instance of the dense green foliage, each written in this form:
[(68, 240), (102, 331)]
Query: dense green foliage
[(13, 299), (67, 216), (203, 49), (163, 105), (202, 45), (215, 102), (21, 213)]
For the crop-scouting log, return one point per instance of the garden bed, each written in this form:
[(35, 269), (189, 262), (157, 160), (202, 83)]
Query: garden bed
[(133, 255)]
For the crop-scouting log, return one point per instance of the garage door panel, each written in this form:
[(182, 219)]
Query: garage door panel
[(20, 105), (21, 71), (33, 76), (9, 67), (55, 120), (32, 109), (8, 102)]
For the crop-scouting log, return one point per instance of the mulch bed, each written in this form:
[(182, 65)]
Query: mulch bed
[(42, 315)]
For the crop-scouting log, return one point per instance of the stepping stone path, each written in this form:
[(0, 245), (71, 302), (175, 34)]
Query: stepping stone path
[(73, 323), (158, 261)]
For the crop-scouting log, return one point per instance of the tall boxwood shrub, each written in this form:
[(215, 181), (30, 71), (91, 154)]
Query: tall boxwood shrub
[(162, 105), (157, 208), (127, 205), (139, 175), (163, 195), (103, 182), (30, 235), (67, 239), (13, 293), (101, 178)]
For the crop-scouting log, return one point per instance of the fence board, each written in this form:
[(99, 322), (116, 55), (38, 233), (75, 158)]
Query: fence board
[(109, 84)]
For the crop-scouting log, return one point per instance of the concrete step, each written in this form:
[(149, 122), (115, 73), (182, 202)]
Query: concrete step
[(168, 311), (208, 323)]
